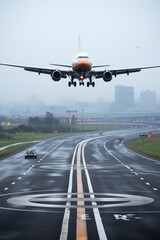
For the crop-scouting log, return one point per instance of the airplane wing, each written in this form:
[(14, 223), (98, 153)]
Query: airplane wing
[(38, 70), (61, 65), (115, 72)]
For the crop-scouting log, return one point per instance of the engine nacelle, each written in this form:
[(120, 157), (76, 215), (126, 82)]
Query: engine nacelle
[(56, 75), (107, 76)]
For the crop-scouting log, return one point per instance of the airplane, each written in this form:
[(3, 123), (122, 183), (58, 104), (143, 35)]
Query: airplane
[(80, 69)]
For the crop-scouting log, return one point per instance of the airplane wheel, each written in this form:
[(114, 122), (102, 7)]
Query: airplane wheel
[(81, 83), (75, 84), (69, 84), (87, 84), (93, 84)]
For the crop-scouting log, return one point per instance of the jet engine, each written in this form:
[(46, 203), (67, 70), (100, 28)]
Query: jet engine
[(107, 76), (56, 75)]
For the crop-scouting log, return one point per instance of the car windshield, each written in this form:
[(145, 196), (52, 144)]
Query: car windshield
[(30, 151)]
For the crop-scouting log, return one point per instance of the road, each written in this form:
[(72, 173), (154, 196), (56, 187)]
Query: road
[(83, 187)]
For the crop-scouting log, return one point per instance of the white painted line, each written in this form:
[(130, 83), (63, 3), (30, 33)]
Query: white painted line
[(100, 227), (65, 223), (147, 183), (155, 189), (13, 183), (6, 188)]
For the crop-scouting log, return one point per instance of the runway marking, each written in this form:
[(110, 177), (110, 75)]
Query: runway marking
[(52, 201), (81, 230), (65, 223), (38, 161), (100, 227), (129, 168), (126, 217)]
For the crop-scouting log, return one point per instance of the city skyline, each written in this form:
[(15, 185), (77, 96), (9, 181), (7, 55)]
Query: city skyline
[(124, 102), (127, 36)]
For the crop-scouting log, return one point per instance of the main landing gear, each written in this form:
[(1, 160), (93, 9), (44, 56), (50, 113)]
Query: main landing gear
[(91, 83), (81, 83), (72, 82)]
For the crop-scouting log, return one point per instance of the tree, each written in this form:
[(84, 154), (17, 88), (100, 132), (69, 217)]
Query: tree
[(34, 121)]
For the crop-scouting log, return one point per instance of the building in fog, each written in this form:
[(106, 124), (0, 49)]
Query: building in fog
[(124, 98), (148, 101)]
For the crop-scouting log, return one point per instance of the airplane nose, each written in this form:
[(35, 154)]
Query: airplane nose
[(83, 65)]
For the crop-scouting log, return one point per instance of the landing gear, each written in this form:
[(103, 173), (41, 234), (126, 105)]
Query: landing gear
[(72, 82), (90, 83), (81, 83)]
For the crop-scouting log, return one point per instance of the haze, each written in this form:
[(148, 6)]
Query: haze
[(117, 32)]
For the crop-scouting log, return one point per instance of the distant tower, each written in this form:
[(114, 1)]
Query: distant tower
[(148, 100), (124, 98)]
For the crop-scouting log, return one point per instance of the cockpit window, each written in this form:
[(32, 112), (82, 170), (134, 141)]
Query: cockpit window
[(82, 57)]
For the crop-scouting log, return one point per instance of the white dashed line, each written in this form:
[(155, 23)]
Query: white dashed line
[(147, 183), (131, 170)]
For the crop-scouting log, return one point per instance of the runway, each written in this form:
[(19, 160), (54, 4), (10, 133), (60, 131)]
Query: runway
[(83, 187)]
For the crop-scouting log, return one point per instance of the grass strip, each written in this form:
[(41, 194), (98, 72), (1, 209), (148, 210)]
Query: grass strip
[(147, 146)]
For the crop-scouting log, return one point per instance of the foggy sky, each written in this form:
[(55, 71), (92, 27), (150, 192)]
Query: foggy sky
[(122, 33)]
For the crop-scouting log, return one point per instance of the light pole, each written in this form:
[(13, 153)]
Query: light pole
[(70, 113)]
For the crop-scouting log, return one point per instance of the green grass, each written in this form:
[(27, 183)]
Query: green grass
[(22, 137), (14, 149), (97, 127), (27, 137), (147, 146)]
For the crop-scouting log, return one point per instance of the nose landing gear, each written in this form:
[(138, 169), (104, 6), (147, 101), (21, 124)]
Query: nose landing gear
[(81, 83)]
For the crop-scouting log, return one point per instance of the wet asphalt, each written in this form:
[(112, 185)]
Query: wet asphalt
[(120, 198)]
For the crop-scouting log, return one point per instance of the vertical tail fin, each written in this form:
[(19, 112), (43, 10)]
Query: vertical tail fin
[(79, 43)]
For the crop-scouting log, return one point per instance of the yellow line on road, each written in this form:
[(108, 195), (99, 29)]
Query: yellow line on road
[(81, 230)]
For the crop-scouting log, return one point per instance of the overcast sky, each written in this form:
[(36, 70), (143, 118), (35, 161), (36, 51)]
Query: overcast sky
[(122, 33)]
